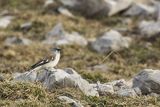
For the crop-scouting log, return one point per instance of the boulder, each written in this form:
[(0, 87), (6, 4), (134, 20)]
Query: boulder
[(110, 41), (26, 26), (139, 9), (17, 41), (148, 81), (58, 36), (48, 2), (25, 77), (65, 12), (70, 101), (119, 87), (52, 78), (149, 29), (103, 89), (97, 7), (5, 21), (1, 78), (130, 92)]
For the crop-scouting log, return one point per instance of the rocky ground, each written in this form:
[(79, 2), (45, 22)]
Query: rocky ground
[(109, 49)]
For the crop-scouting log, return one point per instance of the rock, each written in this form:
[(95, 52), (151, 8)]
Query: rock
[(148, 81), (48, 2), (119, 87), (65, 12), (110, 41), (5, 21), (26, 26), (17, 41), (56, 32), (58, 36), (103, 89), (97, 7), (139, 9), (4, 13), (1, 78), (52, 78), (149, 29), (154, 95), (116, 6), (25, 77), (127, 92), (119, 84), (70, 101), (157, 12)]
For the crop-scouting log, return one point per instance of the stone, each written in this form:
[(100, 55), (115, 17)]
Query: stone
[(1, 78), (70, 101), (149, 29), (97, 7), (119, 84), (52, 78), (127, 92), (65, 12), (157, 12), (48, 2), (57, 31), (110, 41), (4, 13), (116, 6), (148, 81), (5, 21), (103, 89), (26, 26), (17, 41), (139, 9), (25, 77), (58, 36)]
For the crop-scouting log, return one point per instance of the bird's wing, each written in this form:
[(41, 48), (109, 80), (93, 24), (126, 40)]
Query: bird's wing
[(42, 62)]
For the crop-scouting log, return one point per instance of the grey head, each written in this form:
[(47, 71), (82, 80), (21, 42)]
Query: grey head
[(56, 50)]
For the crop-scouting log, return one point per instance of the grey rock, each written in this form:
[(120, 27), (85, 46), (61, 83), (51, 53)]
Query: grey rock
[(70, 101), (119, 84), (5, 21), (58, 36), (127, 92), (157, 13), (4, 13), (149, 29), (48, 2), (52, 78), (65, 12), (148, 81), (1, 78), (26, 26), (57, 31), (17, 41), (111, 41), (139, 9), (103, 89), (154, 95), (25, 77), (98, 7), (70, 3), (116, 6)]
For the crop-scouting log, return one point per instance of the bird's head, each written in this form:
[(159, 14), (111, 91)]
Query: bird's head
[(56, 50)]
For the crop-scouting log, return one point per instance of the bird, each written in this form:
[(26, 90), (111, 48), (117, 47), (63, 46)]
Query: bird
[(49, 62)]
